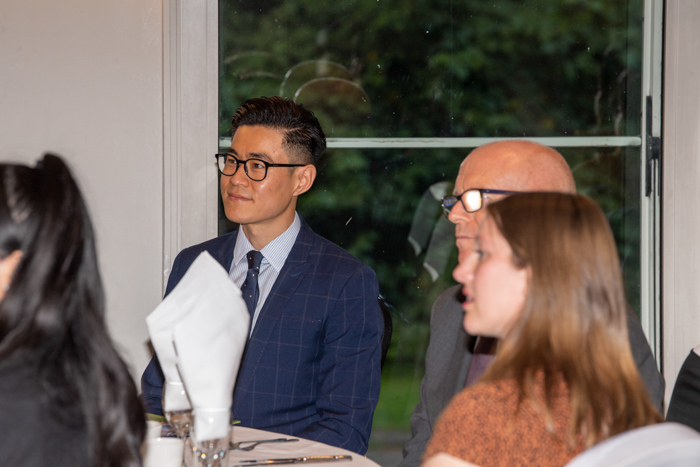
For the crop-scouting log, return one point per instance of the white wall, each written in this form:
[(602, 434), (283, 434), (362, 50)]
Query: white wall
[(84, 78), (681, 187)]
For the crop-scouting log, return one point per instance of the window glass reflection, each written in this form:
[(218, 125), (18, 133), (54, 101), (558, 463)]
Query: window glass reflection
[(439, 68)]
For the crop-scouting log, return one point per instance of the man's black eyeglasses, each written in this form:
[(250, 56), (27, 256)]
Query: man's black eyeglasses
[(255, 169), (472, 199)]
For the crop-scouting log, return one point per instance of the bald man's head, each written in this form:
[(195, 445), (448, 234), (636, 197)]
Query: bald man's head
[(517, 165), (513, 165)]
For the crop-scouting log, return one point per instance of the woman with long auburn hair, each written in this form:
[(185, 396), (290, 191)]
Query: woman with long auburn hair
[(66, 396), (544, 280)]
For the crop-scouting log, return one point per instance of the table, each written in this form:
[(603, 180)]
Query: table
[(301, 448)]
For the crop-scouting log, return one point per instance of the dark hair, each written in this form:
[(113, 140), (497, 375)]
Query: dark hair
[(574, 320), (303, 135), (54, 307)]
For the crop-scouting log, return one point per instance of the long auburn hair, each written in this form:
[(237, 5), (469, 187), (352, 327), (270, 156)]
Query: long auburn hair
[(573, 323), (54, 307)]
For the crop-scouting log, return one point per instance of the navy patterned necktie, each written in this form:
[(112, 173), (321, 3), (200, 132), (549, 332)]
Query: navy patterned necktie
[(250, 289)]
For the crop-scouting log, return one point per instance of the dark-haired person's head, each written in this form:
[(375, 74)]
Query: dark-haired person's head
[(44, 221), (545, 279), (274, 146), (52, 309), (303, 139)]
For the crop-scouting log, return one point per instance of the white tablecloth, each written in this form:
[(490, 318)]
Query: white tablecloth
[(301, 448)]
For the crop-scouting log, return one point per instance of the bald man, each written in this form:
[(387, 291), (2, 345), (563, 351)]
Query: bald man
[(497, 169)]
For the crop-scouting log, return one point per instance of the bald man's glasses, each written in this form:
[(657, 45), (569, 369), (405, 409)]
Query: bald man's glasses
[(472, 199)]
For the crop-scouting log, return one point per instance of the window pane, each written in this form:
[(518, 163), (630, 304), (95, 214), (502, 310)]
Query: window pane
[(440, 68), (383, 207)]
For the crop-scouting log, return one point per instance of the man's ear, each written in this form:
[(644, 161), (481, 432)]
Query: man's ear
[(305, 177)]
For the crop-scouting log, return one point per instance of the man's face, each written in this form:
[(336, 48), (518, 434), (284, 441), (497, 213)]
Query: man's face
[(269, 203), (476, 172)]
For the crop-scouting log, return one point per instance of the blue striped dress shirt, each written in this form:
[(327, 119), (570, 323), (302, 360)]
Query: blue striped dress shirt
[(274, 255)]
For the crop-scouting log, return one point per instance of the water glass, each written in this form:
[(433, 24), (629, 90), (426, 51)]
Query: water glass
[(210, 434), (163, 452)]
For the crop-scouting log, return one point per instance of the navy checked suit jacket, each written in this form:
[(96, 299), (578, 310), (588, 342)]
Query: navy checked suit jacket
[(311, 368)]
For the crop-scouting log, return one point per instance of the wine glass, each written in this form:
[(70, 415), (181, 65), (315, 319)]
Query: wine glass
[(179, 417)]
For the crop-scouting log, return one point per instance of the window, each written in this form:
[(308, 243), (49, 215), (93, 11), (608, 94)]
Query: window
[(404, 90)]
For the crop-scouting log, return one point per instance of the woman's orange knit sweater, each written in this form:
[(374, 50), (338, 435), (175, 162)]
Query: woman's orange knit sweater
[(483, 425)]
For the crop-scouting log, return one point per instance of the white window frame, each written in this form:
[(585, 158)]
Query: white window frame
[(650, 248), (190, 124), (191, 138)]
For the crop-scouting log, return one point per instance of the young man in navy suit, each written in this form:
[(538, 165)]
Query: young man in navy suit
[(311, 367)]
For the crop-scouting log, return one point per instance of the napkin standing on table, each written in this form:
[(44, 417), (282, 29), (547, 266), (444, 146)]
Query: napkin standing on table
[(160, 325), (209, 340)]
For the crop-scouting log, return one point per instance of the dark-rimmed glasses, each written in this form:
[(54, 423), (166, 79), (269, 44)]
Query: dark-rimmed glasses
[(255, 169), (472, 199)]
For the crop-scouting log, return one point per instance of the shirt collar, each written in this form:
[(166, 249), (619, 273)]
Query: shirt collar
[(275, 252)]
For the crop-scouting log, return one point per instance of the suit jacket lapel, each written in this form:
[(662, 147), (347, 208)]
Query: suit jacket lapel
[(224, 252)]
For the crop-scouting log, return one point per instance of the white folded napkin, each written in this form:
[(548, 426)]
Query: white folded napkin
[(160, 324), (209, 340)]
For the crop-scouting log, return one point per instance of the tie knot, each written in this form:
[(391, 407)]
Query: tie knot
[(254, 259)]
